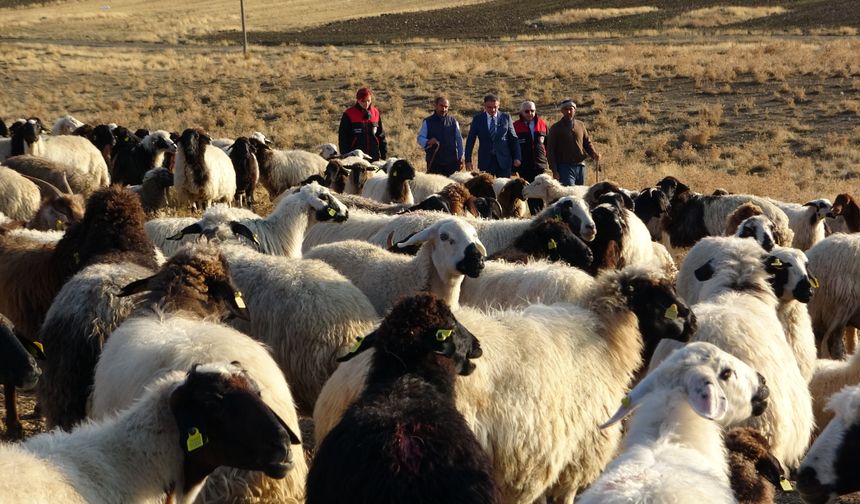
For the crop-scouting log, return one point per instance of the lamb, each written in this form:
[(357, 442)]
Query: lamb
[(807, 221), (529, 356), (481, 185), (280, 233), (130, 165), (425, 184), (740, 314), (20, 197), (74, 151), (162, 448), (153, 191), (692, 216), (673, 449), (327, 151), (754, 472), (280, 169), (32, 273), (416, 446), (450, 249), (304, 310), (360, 172), (511, 198), (757, 227), (60, 175), (17, 369), (65, 125), (242, 154), (392, 187), (846, 209), (830, 467), (167, 332), (548, 189), (837, 303), (202, 174)]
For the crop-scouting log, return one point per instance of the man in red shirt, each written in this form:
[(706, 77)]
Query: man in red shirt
[(531, 133), (361, 127)]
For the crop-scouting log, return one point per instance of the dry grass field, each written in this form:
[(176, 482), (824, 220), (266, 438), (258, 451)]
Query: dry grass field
[(752, 96)]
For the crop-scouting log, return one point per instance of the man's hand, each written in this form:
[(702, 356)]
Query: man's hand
[(431, 143), (596, 156), (468, 166), (517, 163)]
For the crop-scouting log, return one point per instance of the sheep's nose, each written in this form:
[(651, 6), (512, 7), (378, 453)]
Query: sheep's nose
[(759, 400), (810, 488)]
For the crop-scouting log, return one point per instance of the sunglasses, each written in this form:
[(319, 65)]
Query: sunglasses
[(532, 111)]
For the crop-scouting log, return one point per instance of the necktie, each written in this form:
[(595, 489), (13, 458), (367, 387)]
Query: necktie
[(492, 126)]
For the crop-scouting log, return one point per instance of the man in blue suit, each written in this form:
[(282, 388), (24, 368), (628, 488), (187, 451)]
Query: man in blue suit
[(498, 150)]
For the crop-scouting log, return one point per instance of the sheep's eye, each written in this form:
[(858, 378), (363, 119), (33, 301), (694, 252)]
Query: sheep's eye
[(444, 237), (725, 374)]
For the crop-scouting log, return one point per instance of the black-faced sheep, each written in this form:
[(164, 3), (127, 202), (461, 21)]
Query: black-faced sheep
[(242, 154), (550, 240), (130, 165), (807, 221), (416, 447), (650, 205), (831, 466), (153, 191), (32, 273), (161, 449), (392, 187), (17, 369), (202, 174)]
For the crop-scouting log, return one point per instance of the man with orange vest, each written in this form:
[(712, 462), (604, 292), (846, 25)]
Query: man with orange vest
[(361, 127)]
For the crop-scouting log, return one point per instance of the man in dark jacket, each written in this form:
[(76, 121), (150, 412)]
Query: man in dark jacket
[(531, 132), (567, 145), (441, 140), (361, 127), (498, 150)]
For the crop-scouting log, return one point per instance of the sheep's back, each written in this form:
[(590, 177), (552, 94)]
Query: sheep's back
[(19, 198)]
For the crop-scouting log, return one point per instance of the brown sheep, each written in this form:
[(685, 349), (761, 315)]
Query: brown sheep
[(754, 470)]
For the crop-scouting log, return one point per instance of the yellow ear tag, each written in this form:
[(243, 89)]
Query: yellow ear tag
[(785, 485), (776, 263), (557, 218), (814, 282), (332, 212), (356, 345), (195, 440), (256, 240), (394, 173), (551, 245), (39, 346), (59, 226), (625, 401), (239, 301), (443, 334), (671, 312)]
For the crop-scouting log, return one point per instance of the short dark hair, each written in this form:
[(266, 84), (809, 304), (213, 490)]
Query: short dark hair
[(439, 99), (491, 97)]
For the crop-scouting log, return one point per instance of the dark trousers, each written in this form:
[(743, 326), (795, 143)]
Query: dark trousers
[(442, 168)]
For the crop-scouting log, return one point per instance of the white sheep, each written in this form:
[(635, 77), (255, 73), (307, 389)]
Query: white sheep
[(807, 220), (462, 176), (19, 198), (508, 285), (65, 125), (362, 225), (830, 468), (548, 189), (160, 449), (202, 174), (77, 152), (739, 316), (829, 378), (282, 169), (836, 262), (304, 310), (327, 151), (425, 184), (450, 249), (279, 233), (523, 385), (391, 187), (673, 447)]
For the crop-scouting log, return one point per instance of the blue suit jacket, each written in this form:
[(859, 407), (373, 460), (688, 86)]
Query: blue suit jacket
[(503, 145)]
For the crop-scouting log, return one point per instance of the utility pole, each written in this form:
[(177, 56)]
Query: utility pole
[(244, 32)]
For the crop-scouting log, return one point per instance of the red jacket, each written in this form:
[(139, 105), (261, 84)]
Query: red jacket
[(362, 129), (532, 147)]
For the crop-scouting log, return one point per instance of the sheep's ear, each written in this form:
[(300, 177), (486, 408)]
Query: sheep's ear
[(192, 229), (419, 237), (632, 400), (294, 438), (705, 395), (136, 287), (231, 297), (772, 264), (33, 347), (705, 271), (360, 346), (242, 230)]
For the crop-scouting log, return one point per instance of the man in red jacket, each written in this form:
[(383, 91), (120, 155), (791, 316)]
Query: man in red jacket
[(361, 127), (531, 133)]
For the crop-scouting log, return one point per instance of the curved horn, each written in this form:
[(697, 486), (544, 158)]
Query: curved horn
[(68, 188), (45, 188)]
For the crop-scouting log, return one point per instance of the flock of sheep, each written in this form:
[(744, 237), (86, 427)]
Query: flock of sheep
[(173, 357)]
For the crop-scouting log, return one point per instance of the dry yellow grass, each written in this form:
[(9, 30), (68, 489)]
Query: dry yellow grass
[(649, 106), (158, 21), (721, 16), (570, 16)]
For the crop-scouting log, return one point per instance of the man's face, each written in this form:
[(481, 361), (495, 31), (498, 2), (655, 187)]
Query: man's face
[(442, 107), (491, 107), (365, 102), (568, 112)]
